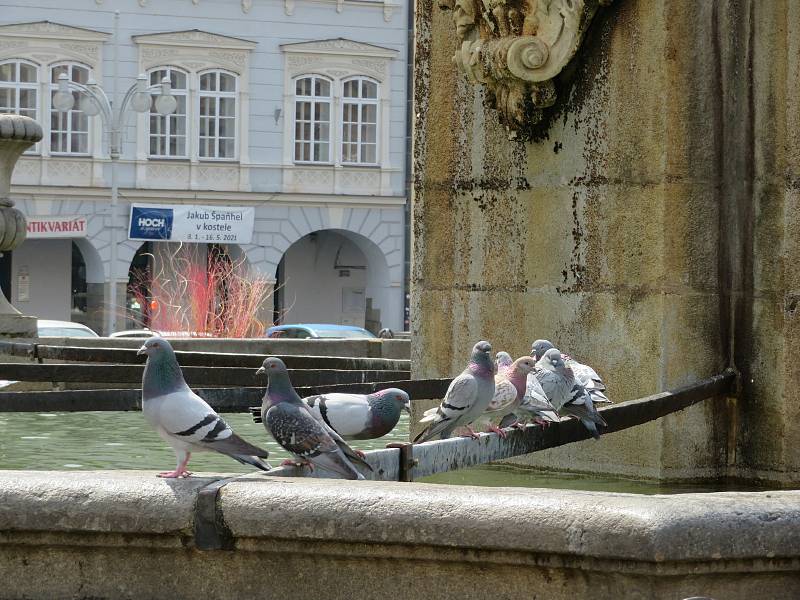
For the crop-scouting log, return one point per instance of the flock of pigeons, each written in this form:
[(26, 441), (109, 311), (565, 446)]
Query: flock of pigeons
[(497, 394), (507, 393)]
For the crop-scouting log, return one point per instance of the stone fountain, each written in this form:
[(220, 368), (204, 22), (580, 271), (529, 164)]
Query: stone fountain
[(17, 134)]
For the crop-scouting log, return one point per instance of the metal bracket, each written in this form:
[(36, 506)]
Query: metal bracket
[(405, 471), (210, 530)]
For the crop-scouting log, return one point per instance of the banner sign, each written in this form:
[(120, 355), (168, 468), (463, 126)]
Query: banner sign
[(56, 227), (188, 223)]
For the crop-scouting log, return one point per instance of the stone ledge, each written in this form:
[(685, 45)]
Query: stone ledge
[(659, 529)]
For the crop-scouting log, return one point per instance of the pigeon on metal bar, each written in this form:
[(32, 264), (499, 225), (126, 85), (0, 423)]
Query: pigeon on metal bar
[(509, 389), (565, 393), (584, 374), (360, 416), (290, 421), (503, 361), (467, 397), (182, 418), (534, 406)]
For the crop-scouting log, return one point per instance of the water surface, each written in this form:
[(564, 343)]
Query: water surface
[(123, 440)]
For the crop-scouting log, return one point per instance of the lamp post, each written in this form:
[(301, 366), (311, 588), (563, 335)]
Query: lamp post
[(94, 101)]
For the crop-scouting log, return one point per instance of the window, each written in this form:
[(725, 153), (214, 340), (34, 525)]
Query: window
[(312, 119), (69, 131), (217, 131), (167, 134), (359, 121), (18, 88)]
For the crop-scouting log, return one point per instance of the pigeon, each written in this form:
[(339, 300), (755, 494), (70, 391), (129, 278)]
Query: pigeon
[(565, 393), (467, 397), (534, 405), (503, 361), (509, 389), (182, 418), (360, 416), (290, 421), (584, 374)]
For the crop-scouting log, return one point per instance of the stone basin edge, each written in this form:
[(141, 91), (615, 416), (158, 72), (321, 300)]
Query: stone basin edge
[(676, 528)]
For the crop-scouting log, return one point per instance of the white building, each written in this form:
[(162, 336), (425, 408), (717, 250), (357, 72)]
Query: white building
[(291, 115)]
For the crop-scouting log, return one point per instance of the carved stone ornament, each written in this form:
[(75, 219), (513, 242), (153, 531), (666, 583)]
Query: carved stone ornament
[(516, 47), (17, 134)]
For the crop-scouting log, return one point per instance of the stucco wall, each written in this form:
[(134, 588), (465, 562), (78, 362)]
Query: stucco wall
[(644, 229)]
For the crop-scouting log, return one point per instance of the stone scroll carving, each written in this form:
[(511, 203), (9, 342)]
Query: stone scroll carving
[(516, 47)]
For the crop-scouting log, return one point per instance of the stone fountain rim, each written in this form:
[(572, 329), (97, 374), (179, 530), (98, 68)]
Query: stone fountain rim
[(19, 128)]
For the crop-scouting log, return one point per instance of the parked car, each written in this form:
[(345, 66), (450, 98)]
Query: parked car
[(318, 331), (47, 328), (134, 333)]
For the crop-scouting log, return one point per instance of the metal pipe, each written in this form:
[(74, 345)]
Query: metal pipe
[(115, 141)]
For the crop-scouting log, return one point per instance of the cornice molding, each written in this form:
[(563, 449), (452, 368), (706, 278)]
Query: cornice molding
[(50, 30), (339, 46), (194, 38)]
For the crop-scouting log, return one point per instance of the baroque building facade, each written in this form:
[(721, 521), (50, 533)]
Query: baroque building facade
[(290, 128)]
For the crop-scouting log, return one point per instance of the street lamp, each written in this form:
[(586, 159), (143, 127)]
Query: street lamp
[(94, 101)]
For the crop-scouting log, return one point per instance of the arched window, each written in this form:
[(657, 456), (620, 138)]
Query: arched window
[(359, 121), (18, 88), (167, 134), (217, 130), (69, 131), (312, 119)]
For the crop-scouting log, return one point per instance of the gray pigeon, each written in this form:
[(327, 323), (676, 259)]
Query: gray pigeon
[(509, 389), (503, 361), (467, 397), (534, 405), (360, 416), (584, 374), (290, 421), (565, 393), (182, 418)]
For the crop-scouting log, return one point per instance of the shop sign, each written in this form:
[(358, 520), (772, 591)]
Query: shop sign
[(189, 223), (56, 227)]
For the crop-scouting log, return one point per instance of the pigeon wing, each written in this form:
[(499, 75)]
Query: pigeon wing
[(299, 432), (457, 401), (342, 445), (185, 416), (347, 414), (505, 395)]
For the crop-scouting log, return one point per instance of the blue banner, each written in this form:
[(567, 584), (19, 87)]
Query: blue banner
[(149, 223)]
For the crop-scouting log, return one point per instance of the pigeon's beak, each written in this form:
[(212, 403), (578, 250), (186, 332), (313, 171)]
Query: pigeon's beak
[(261, 371), (142, 350), (407, 407)]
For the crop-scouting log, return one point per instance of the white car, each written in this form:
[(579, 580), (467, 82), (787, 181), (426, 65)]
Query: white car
[(134, 333), (46, 328)]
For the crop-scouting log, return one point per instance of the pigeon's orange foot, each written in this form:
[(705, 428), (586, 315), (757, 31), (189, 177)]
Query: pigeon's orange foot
[(498, 431), (360, 453), (176, 474), (471, 433)]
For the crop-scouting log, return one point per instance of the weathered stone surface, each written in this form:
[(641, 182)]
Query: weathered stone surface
[(129, 535), (649, 227), (101, 501)]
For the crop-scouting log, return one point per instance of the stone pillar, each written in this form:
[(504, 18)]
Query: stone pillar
[(17, 134), (646, 222)]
